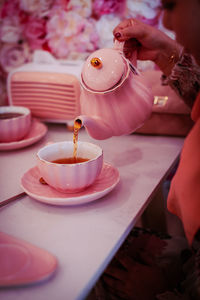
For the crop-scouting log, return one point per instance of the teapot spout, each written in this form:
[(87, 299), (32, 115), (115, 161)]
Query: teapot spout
[(95, 127)]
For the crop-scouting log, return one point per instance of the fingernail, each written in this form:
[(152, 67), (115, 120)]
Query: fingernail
[(117, 35)]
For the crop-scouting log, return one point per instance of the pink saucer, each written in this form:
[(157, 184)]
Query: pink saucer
[(106, 181), (22, 263), (37, 131)]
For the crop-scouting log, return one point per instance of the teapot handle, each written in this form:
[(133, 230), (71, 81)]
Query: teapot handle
[(120, 46)]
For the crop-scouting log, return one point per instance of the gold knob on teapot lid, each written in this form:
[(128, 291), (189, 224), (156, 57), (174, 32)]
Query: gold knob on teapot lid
[(96, 63)]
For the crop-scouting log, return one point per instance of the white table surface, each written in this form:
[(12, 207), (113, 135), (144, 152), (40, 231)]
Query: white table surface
[(83, 238)]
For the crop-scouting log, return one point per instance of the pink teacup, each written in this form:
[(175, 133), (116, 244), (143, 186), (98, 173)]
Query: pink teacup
[(15, 123), (74, 176)]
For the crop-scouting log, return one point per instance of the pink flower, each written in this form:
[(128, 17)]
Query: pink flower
[(59, 47), (62, 4), (35, 32), (13, 56), (104, 7), (82, 7), (58, 30), (86, 41), (9, 8)]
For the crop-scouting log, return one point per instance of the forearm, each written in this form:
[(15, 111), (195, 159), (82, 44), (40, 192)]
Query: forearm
[(168, 54)]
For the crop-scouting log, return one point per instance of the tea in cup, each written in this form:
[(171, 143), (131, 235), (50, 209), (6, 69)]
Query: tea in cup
[(66, 173), (15, 122)]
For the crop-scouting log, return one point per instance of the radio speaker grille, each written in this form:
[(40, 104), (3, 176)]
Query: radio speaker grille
[(49, 96)]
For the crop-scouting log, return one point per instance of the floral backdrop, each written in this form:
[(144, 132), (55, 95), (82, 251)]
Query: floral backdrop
[(68, 29)]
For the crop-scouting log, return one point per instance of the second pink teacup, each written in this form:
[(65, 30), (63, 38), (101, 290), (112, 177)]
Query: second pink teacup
[(15, 123)]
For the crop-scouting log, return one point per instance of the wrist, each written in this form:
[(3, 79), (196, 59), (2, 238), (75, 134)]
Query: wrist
[(167, 58)]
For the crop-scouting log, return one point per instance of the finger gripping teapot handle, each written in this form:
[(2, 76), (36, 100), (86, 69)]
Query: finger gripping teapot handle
[(120, 47)]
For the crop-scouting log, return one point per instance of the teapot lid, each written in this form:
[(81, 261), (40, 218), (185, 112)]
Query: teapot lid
[(103, 69)]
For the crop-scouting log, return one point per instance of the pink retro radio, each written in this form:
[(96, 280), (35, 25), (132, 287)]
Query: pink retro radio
[(48, 87)]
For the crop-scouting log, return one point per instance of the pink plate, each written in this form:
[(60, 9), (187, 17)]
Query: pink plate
[(22, 263), (37, 131), (106, 181)]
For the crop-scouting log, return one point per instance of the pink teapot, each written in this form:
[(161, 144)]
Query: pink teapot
[(115, 99)]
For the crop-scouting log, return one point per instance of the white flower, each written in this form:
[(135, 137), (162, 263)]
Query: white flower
[(38, 7), (10, 30), (143, 8), (105, 26), (82, 7), (151, 3)]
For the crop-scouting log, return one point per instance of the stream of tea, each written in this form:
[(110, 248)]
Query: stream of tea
[(74, 159), (77, 126)]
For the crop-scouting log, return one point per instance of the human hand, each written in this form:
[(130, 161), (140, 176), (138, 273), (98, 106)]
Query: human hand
[(149, 42)]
